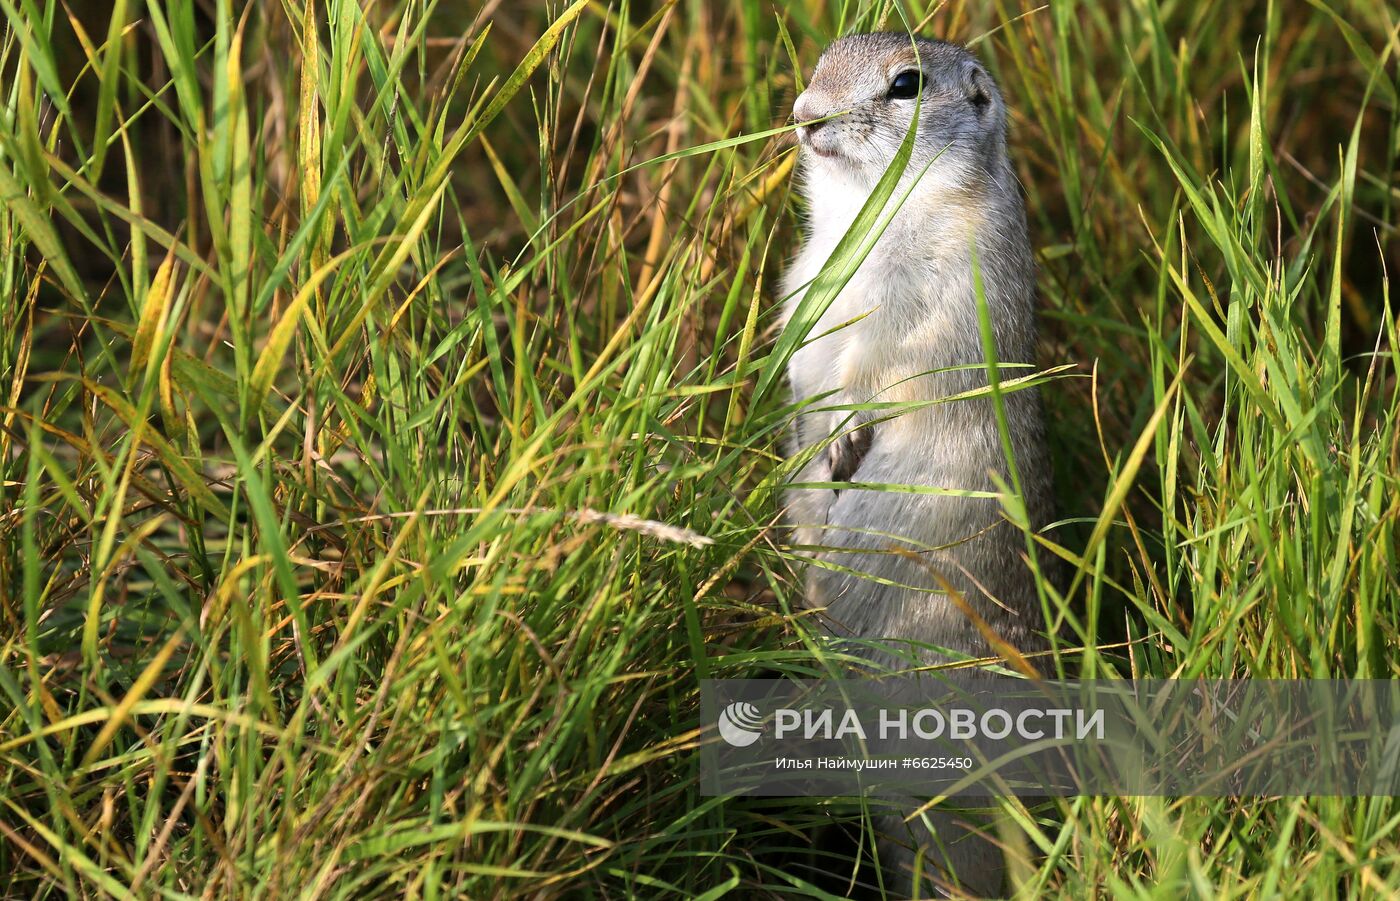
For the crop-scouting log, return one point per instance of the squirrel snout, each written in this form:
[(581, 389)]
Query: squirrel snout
[(807, 112)]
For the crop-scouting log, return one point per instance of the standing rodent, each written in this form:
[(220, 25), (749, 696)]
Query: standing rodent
[(905, 329), (909, 311)]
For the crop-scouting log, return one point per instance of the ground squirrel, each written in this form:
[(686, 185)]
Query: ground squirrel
[(898, 332)]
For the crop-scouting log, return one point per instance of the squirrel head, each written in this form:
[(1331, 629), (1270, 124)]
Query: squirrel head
[(867, 89)]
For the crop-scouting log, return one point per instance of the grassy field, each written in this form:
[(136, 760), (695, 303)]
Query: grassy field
[(389, 421)]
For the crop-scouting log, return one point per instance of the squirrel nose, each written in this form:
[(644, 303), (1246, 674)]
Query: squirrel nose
[(806, 112)]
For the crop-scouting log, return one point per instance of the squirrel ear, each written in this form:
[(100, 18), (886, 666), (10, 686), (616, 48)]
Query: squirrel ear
[(978, 86)]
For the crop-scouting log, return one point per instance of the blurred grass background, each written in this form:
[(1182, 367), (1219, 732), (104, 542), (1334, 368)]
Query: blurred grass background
[(381, 468)]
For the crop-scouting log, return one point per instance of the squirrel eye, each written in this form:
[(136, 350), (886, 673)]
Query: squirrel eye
[(906, 84)]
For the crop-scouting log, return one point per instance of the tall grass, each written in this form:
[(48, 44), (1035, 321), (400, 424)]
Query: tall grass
[(381, 460)]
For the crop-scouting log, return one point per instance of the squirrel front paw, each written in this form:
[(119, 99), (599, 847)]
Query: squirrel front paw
[(845, 454)]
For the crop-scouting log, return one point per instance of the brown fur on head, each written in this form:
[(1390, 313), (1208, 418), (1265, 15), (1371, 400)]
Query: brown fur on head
[(867, 88)]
